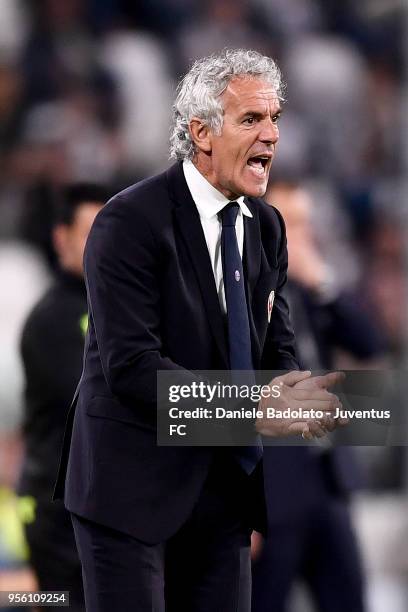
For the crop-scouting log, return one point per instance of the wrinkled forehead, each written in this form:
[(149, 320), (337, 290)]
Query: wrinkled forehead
[(250, 93)]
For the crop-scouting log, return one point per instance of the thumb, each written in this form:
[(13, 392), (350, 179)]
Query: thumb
[(291, 378)]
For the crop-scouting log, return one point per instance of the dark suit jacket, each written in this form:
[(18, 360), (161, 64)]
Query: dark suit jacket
[(153, 306)]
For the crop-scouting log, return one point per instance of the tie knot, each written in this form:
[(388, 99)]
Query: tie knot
[(229, 214)]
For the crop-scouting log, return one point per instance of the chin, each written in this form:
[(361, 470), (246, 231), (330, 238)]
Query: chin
[(262, 190), (256, 191)]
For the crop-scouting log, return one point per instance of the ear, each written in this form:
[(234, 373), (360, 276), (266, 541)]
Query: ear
[(201, 135)]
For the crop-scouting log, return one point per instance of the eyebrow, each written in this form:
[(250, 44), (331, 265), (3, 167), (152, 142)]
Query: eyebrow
[(259, 114)]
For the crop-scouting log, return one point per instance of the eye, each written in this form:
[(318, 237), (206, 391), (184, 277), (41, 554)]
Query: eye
[(275, 118), (249, 120)]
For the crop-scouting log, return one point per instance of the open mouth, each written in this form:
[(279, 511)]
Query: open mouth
[(259, 163)]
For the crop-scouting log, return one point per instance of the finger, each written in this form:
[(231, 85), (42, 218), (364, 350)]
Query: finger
[(312, 394), (291, 378), (329, 380), (330, 406), (329, 423), (308, 429), (297, 428), (341, 422), (316, 429), (306, 435)]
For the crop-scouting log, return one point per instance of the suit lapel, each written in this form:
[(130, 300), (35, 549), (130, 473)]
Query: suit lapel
[(252, 247), (188, 220)]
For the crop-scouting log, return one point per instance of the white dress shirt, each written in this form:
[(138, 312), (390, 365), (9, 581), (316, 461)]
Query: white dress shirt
[(210, 202)]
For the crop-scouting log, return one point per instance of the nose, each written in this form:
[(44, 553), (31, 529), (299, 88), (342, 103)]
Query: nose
[(269, 133)]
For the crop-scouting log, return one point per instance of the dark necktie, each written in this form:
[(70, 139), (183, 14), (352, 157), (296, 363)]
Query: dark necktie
[(239, 336)]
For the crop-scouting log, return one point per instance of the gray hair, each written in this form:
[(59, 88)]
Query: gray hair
[(198, 93)]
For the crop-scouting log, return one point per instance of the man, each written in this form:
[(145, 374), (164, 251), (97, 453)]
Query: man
[(168, 528), (52, 348), (314, 526)]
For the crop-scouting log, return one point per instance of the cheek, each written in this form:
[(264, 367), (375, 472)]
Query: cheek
[(239, 162)]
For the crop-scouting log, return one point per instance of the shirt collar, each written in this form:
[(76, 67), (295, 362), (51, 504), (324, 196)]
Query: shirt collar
[(208, 199)]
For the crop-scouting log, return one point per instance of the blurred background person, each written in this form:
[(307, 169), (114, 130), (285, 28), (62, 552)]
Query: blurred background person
[(310, 533), (327, 315), (52, 349)]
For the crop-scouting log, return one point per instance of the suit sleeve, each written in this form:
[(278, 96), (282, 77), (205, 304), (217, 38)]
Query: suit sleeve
[(279, 351), (122, 271)]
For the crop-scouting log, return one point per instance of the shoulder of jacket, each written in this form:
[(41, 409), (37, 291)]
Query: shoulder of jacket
[(269, 216), (140, 199)]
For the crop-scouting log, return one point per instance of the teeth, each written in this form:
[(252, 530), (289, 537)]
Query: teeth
[(258, 169), (257, 165)]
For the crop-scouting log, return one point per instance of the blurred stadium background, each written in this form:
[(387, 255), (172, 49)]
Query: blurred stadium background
[(86, 88)]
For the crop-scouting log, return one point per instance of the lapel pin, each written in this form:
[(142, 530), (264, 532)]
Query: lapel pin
[(270, 304)]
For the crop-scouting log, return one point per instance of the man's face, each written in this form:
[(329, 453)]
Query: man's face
[(296, 205), (241, 156), (69, 240)]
